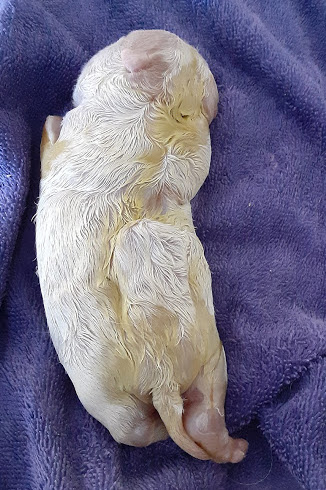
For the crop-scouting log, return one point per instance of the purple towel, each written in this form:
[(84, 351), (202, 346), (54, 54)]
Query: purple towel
[(261, 216)]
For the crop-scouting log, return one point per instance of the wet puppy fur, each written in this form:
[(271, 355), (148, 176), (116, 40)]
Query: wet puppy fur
[(126, 287)]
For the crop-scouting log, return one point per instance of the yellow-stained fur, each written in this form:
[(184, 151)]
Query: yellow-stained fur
[(126, 287)]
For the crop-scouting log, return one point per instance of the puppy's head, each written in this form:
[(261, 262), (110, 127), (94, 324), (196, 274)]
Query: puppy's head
[(151, 65)]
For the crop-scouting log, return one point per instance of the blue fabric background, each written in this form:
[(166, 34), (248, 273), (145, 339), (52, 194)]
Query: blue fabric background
[(261, 217)]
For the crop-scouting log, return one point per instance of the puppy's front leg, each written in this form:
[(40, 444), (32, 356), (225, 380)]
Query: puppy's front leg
[(49, 146)]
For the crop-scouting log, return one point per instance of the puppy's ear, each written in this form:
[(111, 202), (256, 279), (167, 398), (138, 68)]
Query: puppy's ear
[(134, 61), (210, 99)]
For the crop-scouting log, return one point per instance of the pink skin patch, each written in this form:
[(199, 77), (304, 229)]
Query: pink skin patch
[(142, 54), (211, 100), (206, 426), (134, 61)]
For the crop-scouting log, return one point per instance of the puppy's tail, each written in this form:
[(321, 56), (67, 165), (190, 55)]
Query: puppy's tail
[(169, 405)]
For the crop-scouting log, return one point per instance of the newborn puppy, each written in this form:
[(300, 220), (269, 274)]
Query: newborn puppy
[(126, 287)]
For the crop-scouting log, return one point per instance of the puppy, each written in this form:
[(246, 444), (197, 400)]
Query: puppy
[(126, 287)]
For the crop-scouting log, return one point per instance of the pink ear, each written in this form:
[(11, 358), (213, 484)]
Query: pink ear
[(210, 100), (134, 60)]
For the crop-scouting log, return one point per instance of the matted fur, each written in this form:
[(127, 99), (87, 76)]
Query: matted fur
[(126, 287)]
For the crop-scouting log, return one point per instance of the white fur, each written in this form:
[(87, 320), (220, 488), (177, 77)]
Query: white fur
[(122, 273)]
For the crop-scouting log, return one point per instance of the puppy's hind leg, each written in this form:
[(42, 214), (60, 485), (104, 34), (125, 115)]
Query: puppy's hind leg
[(150, 266), (129, 420), (203, 416)]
